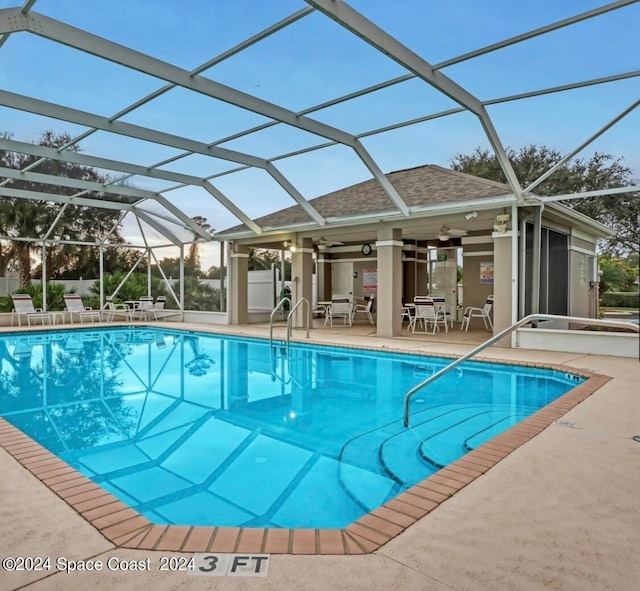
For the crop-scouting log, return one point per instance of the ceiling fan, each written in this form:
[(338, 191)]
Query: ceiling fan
[(446, 233), (322, 241)]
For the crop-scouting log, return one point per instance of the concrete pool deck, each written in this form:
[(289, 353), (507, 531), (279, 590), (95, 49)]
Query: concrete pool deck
[(559, 512)]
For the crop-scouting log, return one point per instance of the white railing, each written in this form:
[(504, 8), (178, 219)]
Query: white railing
[(526, 320)]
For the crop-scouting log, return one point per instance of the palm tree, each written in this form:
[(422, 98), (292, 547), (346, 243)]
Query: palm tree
[(201, 361), (25, 219), (192, 262), (31, 219)]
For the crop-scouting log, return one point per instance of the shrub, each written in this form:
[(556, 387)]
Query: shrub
[(620, 299)]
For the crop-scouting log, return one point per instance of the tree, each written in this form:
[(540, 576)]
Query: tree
[(621, 213), (192, 260), (261, 259), (170, 267), (617, 274), (71, 261), (213, 272), (32, 219), (26, 219)]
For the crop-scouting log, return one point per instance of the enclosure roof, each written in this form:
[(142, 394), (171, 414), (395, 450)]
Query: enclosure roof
[(233, 109)]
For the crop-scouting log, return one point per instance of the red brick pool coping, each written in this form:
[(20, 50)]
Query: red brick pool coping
[(126, 528)]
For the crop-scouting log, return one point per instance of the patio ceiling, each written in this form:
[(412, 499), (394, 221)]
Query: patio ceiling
[(174, 139)]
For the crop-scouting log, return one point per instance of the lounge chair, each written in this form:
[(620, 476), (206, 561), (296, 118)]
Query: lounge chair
[(143, 307), (74, 305), (112, 311), (23, 306), (161, 312), (157, 311), (484, 313)]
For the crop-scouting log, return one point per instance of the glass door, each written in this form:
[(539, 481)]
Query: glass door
[(443, 275)]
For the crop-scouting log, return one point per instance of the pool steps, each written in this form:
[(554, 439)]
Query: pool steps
[(395, 458)]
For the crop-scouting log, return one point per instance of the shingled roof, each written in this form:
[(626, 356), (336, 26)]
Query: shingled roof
[(419, 187)]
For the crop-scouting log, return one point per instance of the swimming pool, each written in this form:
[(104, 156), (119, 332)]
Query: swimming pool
[(196, 429)]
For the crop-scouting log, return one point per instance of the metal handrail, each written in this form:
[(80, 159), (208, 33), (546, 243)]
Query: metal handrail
[(502, 334), (276, 375), (290, 316), (280, 303)]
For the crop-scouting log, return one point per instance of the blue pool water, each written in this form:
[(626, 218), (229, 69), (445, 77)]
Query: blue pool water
[(197, 429)]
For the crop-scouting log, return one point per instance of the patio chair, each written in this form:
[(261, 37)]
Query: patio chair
[(143, 307), (408, 314), (23, 306), (427, 314), (364, 308), (441, 304), (157, 311), (484, 313), (320, 308), (340, 308), (113, 311), (74, 305)]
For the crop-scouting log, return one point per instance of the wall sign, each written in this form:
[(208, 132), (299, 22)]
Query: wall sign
[(486, 272), (583, 269), (370, 279)]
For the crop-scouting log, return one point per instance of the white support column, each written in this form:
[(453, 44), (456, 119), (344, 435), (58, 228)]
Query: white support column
[(503, 282), (182, 281), (101, 266), (223, 267), (44, 276), (535, 263), (389, 251), (238, 288), (148, 271), (282, 270), (514, 270), (522, 275), (301, 278)]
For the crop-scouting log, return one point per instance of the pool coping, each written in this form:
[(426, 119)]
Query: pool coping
[(126, 528)]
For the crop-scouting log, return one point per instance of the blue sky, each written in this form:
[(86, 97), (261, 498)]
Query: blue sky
[(315, 60)]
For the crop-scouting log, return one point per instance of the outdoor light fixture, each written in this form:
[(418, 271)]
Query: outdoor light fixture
[(291, 246), (500, 225), (471, 215)]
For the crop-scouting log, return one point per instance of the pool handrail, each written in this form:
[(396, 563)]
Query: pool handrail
[(526, 320), (280, 304), (290, 317)]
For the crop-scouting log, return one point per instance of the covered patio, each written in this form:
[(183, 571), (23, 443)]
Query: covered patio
[(528, 259)]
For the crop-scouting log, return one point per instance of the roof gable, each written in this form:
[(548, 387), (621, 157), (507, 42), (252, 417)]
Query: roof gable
[(419, 187)]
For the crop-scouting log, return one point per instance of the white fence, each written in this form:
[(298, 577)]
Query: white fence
[(80, 286), (263, 289)]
